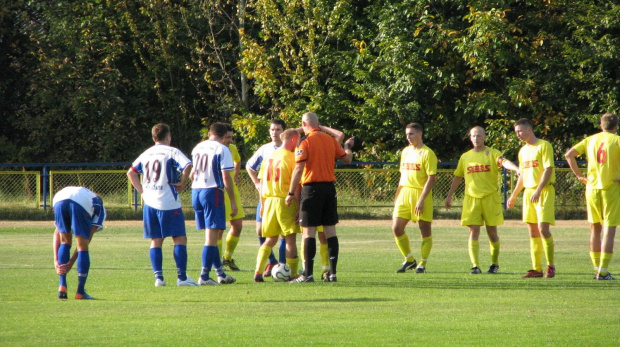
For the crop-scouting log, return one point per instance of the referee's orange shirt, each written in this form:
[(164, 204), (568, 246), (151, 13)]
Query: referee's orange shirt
[(320, 151)]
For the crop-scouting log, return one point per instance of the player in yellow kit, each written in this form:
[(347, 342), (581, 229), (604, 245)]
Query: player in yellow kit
[(414, 197), (278, 218), (236, 221), (537, 169), (602, 152), (481, 204)]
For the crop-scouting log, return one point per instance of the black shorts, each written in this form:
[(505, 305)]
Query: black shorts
[(319, 205)]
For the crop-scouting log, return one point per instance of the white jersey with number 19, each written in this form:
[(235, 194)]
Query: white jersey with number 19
[(161, 166), (210, 159)]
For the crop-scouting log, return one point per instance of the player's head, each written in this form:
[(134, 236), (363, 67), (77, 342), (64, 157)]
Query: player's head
[(309, 121), (609, 122), (161, 133), (217, 131), (524, 129), (276, 127), (289, 138), (228, 138), (477, 136), (414, 132)]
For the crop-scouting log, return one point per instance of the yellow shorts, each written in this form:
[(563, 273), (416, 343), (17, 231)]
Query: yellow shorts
[(240, 212), (319, 229), (482, 211), (604, 205), (279, 219), (404, 207), (544, 210)]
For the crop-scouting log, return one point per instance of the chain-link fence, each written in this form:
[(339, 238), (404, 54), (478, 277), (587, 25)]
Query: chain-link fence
[(368, 192)]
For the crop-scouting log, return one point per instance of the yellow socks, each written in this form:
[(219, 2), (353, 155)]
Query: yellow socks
[(293, 263), (605, 259), (219, 247), (536, 247), (425, 249), (231, 244), (494, 246), (261, 259), (402, 242), (474, 251), (549, 248), (596, 260)]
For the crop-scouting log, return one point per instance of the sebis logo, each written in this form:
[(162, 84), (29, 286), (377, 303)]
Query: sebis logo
[(411, 166), (478, 168), (530, 164)]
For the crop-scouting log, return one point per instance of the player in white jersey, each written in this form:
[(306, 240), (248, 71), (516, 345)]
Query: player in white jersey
[(210, 176), (78, 211), (163, 217), (253, 165)]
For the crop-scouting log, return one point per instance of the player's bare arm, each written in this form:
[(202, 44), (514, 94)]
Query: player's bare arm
[(546, 176), (456, 181), (348, 145), (428, 186), (134, 178), (228, 185), (571, 157), (515, 193), (180, 186), (253, 176), (295, 178)]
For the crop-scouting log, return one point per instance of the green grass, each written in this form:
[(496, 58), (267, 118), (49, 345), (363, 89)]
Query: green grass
[(370, 305)]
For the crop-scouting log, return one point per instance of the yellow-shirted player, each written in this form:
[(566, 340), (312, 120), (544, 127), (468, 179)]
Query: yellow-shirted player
[(278, 218), (481, 204), (414, 197), (536, 165), (236, 221), (602, 152)]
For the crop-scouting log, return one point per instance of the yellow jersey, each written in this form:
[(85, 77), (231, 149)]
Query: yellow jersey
[(480, 170), (533, 160), (416, 165), (602, 152), (276, 173)]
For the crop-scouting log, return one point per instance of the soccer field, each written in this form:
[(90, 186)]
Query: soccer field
[(370, 305)]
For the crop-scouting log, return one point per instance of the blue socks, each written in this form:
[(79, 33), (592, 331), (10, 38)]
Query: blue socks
[(180, 257), (211, 258), (83, 265), (282, 253), (156, 262), (64, 254)]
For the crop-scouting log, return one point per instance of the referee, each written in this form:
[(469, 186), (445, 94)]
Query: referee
[(315, 160)]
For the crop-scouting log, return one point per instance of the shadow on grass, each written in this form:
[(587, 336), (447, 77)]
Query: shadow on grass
[(330, 300)]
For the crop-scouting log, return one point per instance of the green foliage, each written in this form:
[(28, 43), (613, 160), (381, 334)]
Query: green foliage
[(85, 81)]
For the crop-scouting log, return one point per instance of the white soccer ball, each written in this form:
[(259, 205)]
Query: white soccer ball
[(281, 273)]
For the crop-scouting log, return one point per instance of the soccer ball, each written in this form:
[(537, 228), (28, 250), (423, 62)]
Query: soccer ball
[(281, 273)]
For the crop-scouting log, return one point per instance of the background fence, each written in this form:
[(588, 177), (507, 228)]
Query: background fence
[(368, 190)]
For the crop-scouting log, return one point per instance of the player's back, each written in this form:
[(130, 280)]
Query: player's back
[(603, 155), (161, 166), (210, 159)]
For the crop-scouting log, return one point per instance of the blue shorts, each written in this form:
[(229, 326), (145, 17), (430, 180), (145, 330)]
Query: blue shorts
[(160, 224), (258, 216), (209, 208), (70, 215)]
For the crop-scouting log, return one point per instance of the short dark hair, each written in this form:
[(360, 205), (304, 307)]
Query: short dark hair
[(609, 121), (229, 127), (524, 121), (160, 131), (416, 126), (279, 122), (218, 129)]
